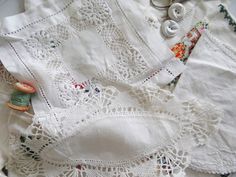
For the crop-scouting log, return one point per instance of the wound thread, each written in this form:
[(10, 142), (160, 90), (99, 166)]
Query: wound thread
[(19, 98)]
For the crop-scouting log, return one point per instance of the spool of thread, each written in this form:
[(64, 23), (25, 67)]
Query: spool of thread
[(20, 98)]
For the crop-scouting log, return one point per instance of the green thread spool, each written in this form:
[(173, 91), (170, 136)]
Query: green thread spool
[(19, 98)]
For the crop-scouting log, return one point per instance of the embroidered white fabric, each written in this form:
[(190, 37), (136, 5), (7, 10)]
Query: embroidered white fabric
[(5, 77), (210, 75), (153, 17), (93, 117), (44, 46), (97, 138), (85, 30)]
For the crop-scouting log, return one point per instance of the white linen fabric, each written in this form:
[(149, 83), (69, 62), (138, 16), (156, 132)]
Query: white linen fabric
[(211, 76), (29, 4), (93, 116)]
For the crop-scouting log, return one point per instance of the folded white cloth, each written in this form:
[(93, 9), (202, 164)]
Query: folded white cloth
[(210, 75)]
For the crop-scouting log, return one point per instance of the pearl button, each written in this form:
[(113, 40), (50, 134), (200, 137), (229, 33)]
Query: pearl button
[(169, 28), (176, 11)]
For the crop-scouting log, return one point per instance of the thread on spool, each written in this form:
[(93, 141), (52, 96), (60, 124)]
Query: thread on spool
[(20, 98)]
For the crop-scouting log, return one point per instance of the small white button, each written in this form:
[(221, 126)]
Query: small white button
[(169, 28), (176, 11)]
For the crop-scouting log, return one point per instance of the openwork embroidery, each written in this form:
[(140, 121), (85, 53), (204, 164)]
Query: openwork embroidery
[(30, 158), (44, 46), (149, 97), (5, 76), (167, 162), (130, 62), (95, 12)]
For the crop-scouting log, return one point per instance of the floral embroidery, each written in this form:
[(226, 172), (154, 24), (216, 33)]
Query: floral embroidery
[(179, 49), (88, 86), (95, 11), (152, 22), (227, 16), (42, 45), (183, 49)]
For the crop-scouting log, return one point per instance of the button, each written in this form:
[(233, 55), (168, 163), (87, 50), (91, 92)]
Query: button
[(176, 11), (161, 3), (169, 28)]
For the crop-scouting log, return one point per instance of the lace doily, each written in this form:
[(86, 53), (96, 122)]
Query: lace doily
[(58, 143)]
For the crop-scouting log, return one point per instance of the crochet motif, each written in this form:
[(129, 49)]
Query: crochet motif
[(5, 76), (95, 12), (227, 16), (30, 151), (44, 45), (131, 64)]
